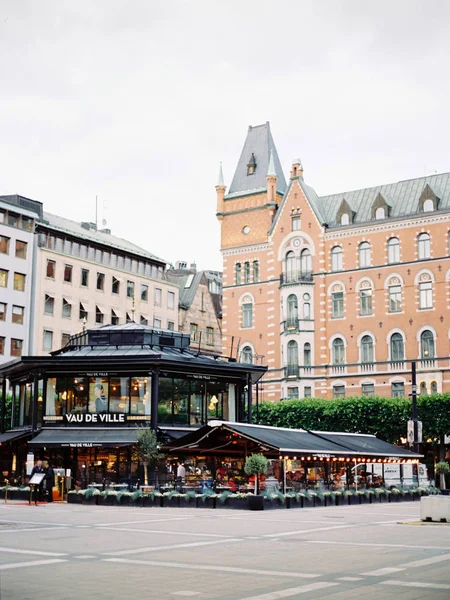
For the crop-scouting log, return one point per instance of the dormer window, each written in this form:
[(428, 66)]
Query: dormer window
[(251, 166), (428, 200), (428, 205), (380, 213), (345, 219)]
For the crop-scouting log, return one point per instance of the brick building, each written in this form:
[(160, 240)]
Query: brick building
[(336, 294)]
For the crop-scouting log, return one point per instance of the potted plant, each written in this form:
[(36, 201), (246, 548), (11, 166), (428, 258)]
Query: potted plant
[(207, 499), (256, 465), (107, 497), (442, 469), (90, 496), (147, 450), (73, 497)]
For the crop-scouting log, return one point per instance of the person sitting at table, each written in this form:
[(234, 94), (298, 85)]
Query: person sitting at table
[(232, 485)]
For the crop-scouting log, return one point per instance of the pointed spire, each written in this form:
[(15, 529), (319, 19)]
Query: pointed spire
[(220, 181), (271, 172)]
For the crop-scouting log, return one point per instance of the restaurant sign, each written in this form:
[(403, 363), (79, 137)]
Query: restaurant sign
[(95, 418)]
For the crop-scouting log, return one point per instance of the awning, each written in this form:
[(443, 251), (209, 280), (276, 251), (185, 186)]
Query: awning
[(13, 435), (68, 437)]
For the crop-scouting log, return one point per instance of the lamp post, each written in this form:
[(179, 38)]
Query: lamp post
[(415, 443)]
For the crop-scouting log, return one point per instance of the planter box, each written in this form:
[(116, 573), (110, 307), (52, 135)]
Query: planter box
[(257, 502), (307, 502), (92, 500), (106, 500), (124, 501), (154, 502), (73, 499), (353, 500), (173, 502), (190, 504), (234, 503)]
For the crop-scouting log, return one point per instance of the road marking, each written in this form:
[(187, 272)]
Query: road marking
[(384, 571), (34, 563), (378, 545), (419, 584), (139, 522), (185, 593), (34, 529), (196, 567), (171, 547), (85, 556), (312, 587), (349, 578), (164, 532), (15, 551), (427, 561), (302, 531)]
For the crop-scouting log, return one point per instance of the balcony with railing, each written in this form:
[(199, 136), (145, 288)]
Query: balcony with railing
[(293, 277), (294, 325), (292, 371)]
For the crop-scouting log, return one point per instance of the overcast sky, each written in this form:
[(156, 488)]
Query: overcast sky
[(137, 102)]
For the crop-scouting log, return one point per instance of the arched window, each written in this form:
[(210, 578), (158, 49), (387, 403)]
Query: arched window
[(393, 250), (367, 349), (247, 355), (292, 358), (428, 205), (364, 255), (338, 351), (345, 219), (336, 258), (238, 273), (290, 267), (307, 355), (423, 389), (433, 387), (397, 347), (292, 311), (427, 345), (305, 263), (423, 246), (380, 213)]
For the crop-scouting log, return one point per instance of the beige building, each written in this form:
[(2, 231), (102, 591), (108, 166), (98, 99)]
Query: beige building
[(87, 277), (336, 294), (200, 305)]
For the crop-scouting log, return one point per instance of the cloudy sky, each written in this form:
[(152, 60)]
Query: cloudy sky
[(137, 102)]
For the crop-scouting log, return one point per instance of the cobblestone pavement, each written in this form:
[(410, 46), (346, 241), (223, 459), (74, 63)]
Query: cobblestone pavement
[(68, 552)]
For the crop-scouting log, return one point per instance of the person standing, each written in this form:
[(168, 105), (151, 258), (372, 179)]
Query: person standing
[(49, 481), (38, 468), (181, 475)]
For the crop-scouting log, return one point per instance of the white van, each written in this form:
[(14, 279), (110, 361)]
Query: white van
[(392, 474)]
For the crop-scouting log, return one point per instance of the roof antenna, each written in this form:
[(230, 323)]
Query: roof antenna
[(96, 212)]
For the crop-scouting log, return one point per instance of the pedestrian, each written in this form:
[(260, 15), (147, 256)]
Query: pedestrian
[(38, 468), (49, 481), (181, 474)]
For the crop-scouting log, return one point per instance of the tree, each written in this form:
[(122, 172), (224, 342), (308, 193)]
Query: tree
[(147, 450), (442, 469), (256, 464)]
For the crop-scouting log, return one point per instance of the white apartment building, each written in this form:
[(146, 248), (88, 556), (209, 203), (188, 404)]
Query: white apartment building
[(87, 277), (18, 216)]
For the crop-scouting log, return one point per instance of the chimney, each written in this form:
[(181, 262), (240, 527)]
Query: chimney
[(297, 169)]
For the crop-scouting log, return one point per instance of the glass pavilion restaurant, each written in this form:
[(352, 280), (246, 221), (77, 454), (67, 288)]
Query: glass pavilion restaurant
[(81, 406), (298, 459)]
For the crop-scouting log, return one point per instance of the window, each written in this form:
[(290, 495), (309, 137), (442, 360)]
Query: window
[(428, 205), (423, 389), (65, 339), (426, 294), (157, 323), (338, 351), (21, 249), (171, 300), (2, 345), (337, 305), (395, 298), (114, 318), (115, 288), (84, 277), (251, 166), (170, 325), (336, 258), (158, 296), (295, 224), (51, 268), (194, 332), (246, 272), (210, 336), (368, 389), (345, 219), (365, 302), (367, 349), (292, 359), (290, 267), (305, 263), (100, 281), (19, 282), (129, 318), (238, 274), (49, 304), (3, 278), (2, 311), (247, 355), (397, 347), (130, 289), (307, 355), (18, 313), (398, 389), (427, 344), (339, 391), (380, 213), (292, 312), (47, 340), (27, 223), (433, 387), (307, 391), (2, 216), (306, 311), (255, 271), (66, 309), (16, 347), (68, 273), (13, 219), (424, 246), (144, 292), (292, 392), (98, 315), (83, 314), (4, 244), (364, 252), (393, 250), (144, 321), (247, 315)]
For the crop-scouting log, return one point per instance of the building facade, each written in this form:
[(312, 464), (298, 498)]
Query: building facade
[(340, 293), (18, 216)]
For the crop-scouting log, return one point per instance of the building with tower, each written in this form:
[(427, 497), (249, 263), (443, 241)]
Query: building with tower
[(336, 294)]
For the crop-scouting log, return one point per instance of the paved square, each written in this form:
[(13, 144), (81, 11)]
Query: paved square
[(68, 552)]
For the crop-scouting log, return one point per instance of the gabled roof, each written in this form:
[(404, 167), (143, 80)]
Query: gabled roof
[(259, 142)]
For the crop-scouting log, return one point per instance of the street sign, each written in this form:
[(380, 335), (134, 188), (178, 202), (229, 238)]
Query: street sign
[(411, 432)]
